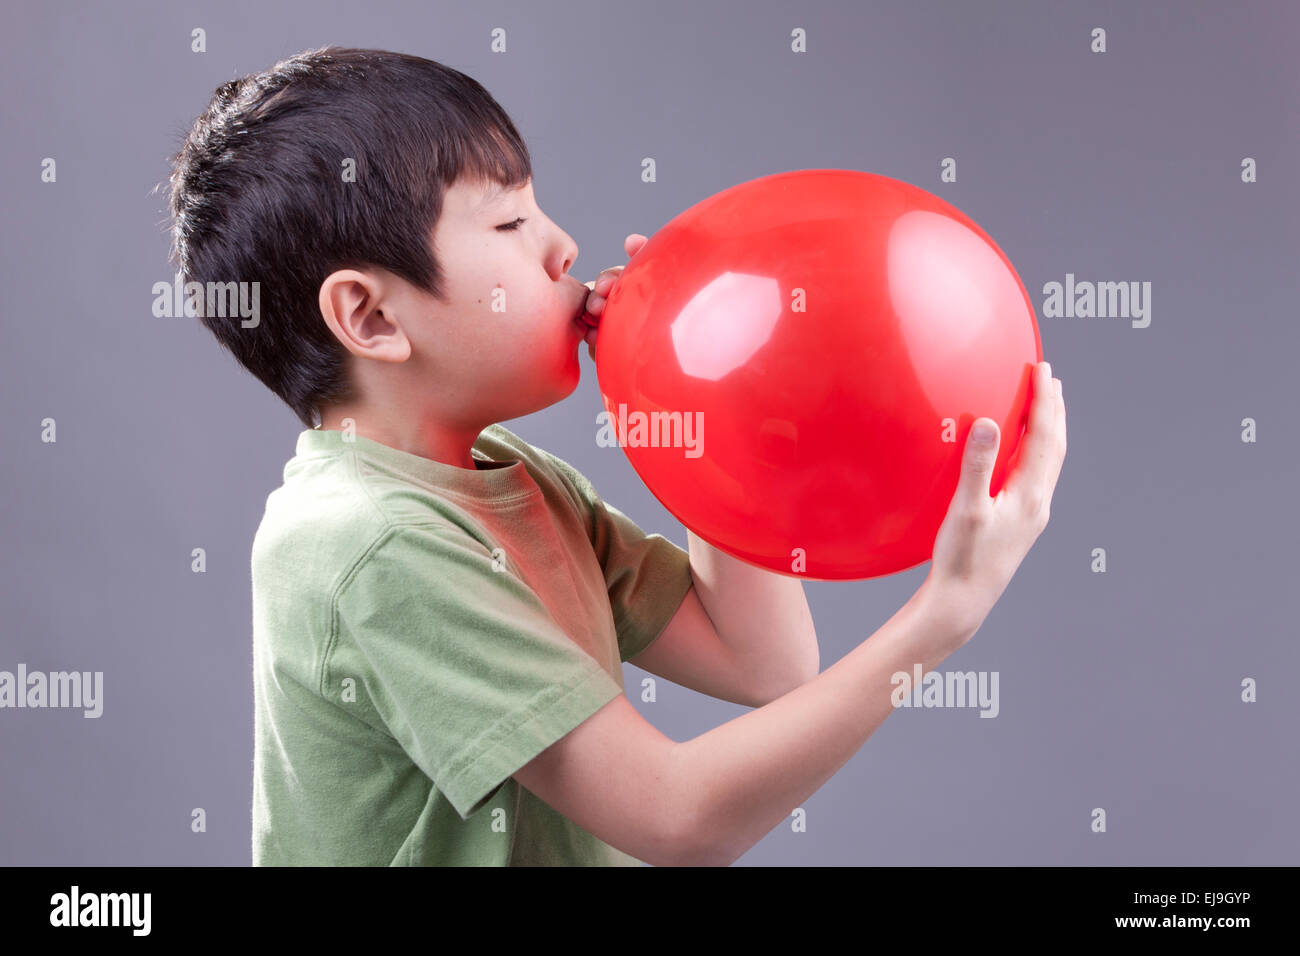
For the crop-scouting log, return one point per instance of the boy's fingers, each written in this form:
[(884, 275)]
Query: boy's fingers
[(977, 467), (1060, 437), (1038, 460), (605, 281)]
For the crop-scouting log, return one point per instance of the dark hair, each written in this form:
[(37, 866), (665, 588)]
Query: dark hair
[(258, 194)]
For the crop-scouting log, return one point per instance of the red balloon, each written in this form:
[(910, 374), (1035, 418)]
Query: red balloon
[(793, 364)]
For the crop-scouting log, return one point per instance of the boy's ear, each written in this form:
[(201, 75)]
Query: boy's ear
[(351, 303)]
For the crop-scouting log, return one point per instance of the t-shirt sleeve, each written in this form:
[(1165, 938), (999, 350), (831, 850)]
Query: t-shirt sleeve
[(647, 576), (462, 661)]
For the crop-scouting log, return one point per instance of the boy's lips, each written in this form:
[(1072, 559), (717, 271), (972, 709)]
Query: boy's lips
[(582, 319), (581, 316)]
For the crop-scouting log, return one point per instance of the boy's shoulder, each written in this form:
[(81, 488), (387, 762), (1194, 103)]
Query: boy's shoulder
[(318, 520), (338, 500)]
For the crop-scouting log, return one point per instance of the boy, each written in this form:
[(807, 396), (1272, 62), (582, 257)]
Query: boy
[(441, 609)]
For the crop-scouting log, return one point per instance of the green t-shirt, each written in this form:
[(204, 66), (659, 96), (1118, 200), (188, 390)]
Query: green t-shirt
[(420, 632)]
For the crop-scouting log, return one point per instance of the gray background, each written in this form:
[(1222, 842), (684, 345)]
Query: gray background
[(1118, 690)]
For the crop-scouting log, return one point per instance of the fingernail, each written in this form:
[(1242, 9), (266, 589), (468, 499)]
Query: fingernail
[(1047, 367), (983, 433)]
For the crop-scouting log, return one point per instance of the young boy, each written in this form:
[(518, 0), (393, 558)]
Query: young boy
[(440, 609)]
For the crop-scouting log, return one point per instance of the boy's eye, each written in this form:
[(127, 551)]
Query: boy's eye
[(509, 226)]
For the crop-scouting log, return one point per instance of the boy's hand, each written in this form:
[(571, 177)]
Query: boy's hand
[(600, 288), (983, 540)]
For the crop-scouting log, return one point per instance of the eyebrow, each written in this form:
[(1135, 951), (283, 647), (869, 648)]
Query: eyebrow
[(494, 195)]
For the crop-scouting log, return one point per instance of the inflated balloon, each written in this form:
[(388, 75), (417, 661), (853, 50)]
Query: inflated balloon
[(793, 364)]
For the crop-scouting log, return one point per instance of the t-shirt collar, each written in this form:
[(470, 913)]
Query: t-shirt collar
[(492, 478)]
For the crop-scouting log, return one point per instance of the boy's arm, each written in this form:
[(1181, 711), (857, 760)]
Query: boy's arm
[(708, 800), (760, 616)]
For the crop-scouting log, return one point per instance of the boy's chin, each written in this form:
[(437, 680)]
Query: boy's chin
[(574, 370), (566, 383)]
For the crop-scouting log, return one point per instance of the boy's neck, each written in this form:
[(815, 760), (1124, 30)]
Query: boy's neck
[(426, 439)]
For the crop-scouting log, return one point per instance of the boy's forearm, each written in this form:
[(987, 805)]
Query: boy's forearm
[(745, 777)]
